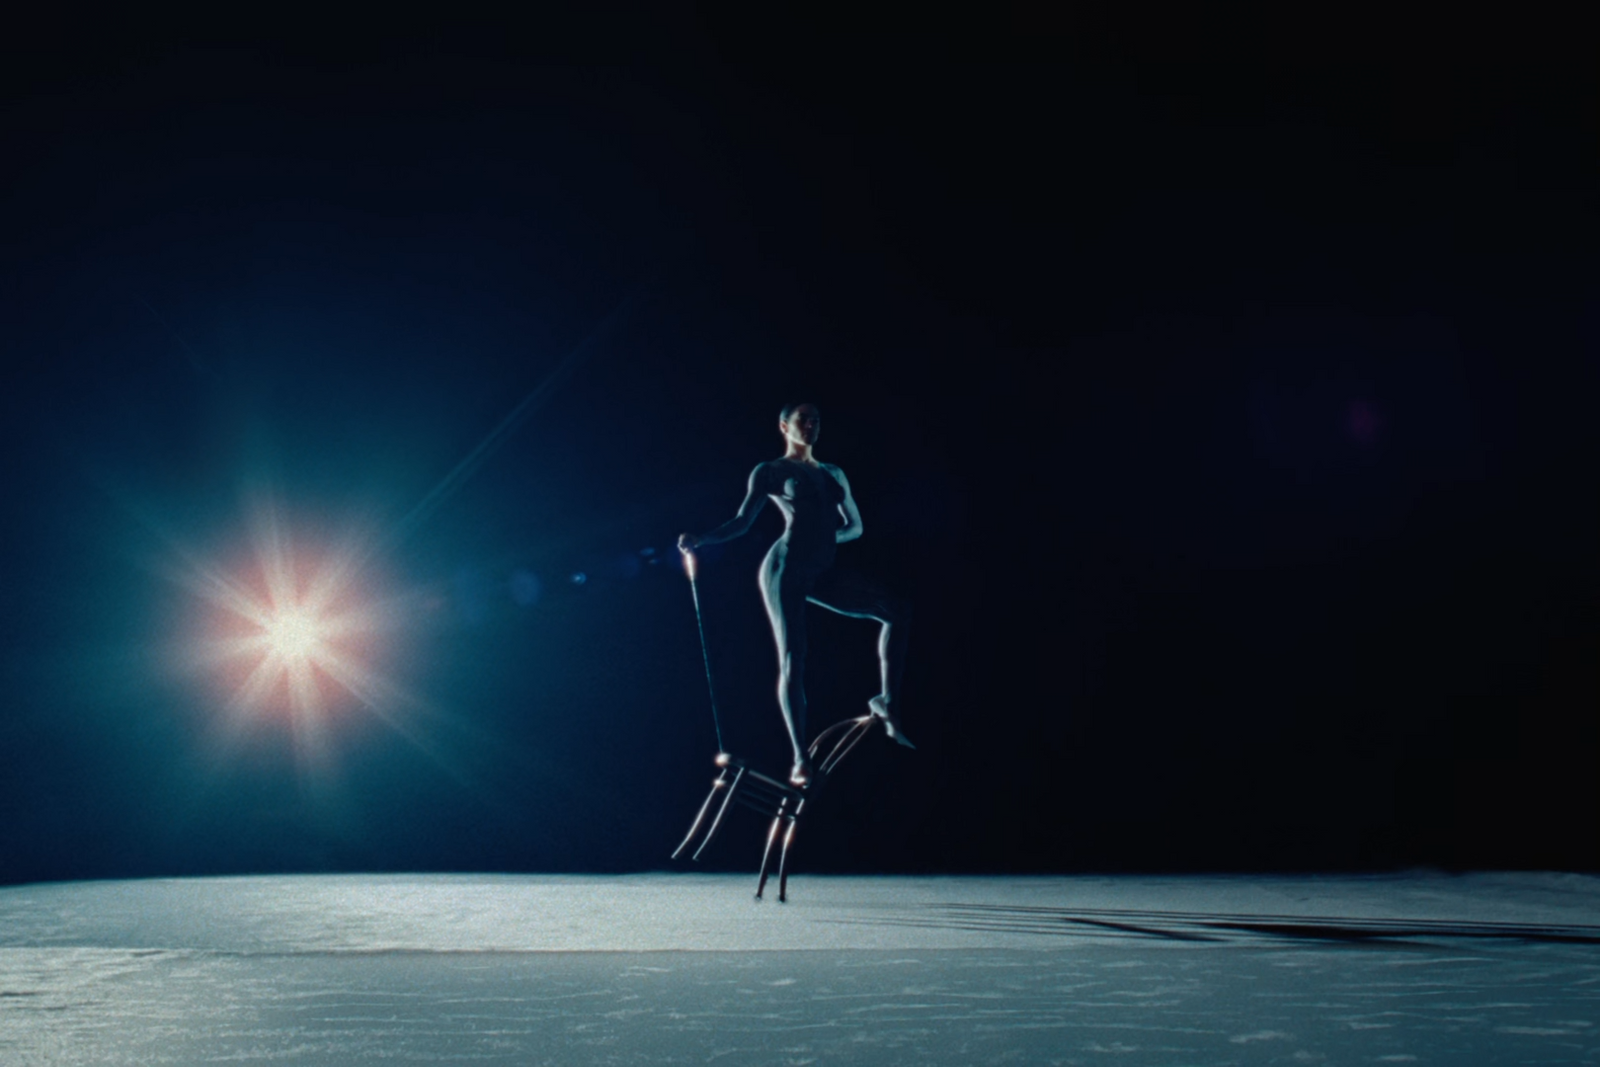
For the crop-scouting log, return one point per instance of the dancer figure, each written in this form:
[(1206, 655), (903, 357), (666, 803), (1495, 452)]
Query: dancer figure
[(818, 513)]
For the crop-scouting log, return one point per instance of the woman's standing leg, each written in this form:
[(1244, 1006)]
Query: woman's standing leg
[(860, 597), (784, 593)]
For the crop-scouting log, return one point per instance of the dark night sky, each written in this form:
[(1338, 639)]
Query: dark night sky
[(1227, 413)]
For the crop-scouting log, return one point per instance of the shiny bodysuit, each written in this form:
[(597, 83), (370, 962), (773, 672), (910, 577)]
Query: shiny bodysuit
[(818, 513)]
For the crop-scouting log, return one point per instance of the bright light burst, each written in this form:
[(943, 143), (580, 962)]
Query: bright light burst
[(295, 640), (290, 632), (296, 636)]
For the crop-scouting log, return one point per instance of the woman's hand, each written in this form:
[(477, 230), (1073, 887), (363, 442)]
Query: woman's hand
[(688, 542)]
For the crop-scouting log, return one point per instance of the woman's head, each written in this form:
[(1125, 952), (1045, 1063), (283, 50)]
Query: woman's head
[(800, 423)]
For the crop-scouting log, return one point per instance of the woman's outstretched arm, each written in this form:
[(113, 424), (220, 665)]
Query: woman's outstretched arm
[(852, 517), (754, 498)]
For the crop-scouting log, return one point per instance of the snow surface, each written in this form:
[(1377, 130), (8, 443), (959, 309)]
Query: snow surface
[(1414, 968)]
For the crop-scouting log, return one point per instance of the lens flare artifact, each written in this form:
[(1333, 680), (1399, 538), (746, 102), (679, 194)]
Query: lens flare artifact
[(290, 631)]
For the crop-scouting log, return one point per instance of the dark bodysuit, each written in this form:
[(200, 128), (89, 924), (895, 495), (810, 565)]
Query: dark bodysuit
[(799, 568)]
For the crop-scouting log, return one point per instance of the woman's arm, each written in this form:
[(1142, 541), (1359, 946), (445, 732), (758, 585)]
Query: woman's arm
[(852, 517), (754, 498)]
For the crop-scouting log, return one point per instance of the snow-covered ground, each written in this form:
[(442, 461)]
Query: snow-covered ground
[(1414, 968)]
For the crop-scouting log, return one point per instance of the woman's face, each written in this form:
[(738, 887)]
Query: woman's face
[(803, 426)]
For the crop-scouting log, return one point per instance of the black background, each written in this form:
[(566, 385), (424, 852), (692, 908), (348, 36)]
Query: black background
[(1222, 395)]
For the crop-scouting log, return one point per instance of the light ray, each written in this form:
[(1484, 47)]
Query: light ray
[(503, 430)]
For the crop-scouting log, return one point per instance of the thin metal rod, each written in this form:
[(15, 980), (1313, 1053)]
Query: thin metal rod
[(705, 651)]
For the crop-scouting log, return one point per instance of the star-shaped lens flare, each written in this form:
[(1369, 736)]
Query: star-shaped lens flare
[(289, 632), (293, 638)]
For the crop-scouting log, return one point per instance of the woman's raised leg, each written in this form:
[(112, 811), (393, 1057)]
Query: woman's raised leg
[(860, 597)]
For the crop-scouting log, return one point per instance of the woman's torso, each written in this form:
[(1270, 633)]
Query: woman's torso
[(809, 497)]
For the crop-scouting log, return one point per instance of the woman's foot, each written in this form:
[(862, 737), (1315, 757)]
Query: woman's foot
[(880, 709), (800, 776)]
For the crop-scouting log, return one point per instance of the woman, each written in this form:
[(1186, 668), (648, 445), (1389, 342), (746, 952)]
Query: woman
[(818, 513)]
